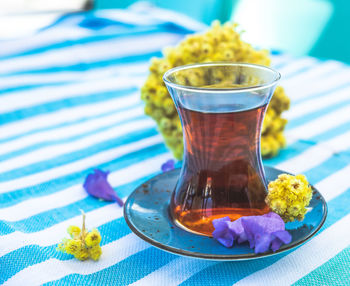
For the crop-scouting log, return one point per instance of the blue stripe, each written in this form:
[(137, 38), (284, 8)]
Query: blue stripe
[(318, 113), (63, 182), (54, 83), (338, 266), (337, 162), (21, 258), (28, 87), (65, 124), (71, 157), (49, 107), (51, 217), (73, 138), (340, 129), (120, 33), (338, 208), (325, 92), (301, 70), (91, 65), (141, 264)]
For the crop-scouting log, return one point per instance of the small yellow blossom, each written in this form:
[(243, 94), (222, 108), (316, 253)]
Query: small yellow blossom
[(289, 196), (95, 252), (74, 231), (93, 238), (83, 244)]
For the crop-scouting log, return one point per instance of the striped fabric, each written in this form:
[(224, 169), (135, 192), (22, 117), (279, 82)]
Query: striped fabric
[(69, 102)]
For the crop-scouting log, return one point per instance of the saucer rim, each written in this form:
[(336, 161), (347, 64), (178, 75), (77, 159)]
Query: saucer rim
[(221, 257)]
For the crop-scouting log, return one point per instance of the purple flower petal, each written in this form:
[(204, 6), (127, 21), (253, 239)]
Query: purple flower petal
[(262, 242), (283, 236), (226, 239), (237, 228), (222, 233), (253, 225), (280, 237), (262, 232), (221, 222), (96, 185), (276, 244), (168, 165)]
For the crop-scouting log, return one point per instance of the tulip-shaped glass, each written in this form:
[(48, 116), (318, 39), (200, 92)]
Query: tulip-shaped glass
[(221, 108)]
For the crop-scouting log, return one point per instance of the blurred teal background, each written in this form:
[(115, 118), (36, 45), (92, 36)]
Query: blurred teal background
[(318, 28)]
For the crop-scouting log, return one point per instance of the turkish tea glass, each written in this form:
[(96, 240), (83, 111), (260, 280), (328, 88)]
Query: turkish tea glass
[(221, 108)]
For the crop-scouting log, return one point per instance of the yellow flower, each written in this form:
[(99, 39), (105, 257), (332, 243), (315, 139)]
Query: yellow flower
[(93, 238), (82, 254), (289, 196), (83, 244), (74, 231), (95, 252), (72, 246)]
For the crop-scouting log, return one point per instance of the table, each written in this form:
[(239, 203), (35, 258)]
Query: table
[(69, 103)]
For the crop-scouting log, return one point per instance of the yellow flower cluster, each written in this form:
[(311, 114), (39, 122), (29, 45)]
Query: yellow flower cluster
[(220, 43), (289, 196), (82, 244)]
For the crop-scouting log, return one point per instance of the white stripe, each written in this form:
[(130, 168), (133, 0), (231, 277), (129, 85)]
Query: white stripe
[(319, 125), (91, 52), (87, 75), (303, 88), (297, 65), (315, 104), (16, 100), (71, 130), (181, 20), (44, 38), (53, 234), (280, 59), (335, 184), (67, 115), (54, 269), (316, 155), (174, 272), (75, 193), (91, 161), (53, 151), (302, 79), (305, 259)]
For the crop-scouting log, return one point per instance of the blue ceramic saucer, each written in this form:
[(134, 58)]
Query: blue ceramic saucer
[(146, 213)]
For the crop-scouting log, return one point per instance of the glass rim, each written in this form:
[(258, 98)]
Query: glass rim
[(171, 71)]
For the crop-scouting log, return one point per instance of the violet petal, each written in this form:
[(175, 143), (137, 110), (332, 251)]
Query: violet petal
[(221, 222), (262, 232), (237, 228), (276, 244), (252, 226), (283, 236), (226, 239), (168, 165), (262, 242), (96, 185), (272, 222), (222, 233)]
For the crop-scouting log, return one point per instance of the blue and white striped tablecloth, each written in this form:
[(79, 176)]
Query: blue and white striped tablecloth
[(69, 102)]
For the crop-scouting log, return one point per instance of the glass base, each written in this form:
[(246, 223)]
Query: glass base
[(201, 221)]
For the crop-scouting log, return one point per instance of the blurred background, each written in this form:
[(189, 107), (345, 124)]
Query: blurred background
[(318, 28)]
